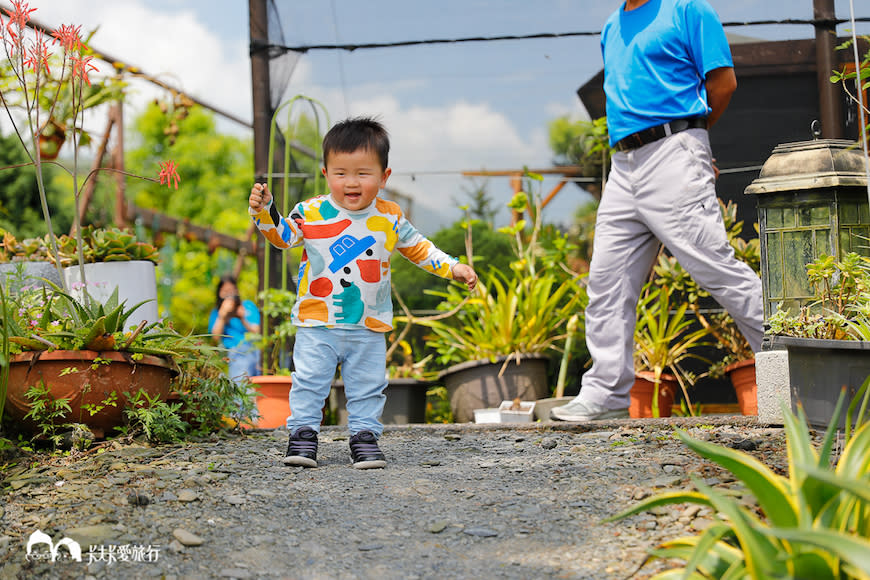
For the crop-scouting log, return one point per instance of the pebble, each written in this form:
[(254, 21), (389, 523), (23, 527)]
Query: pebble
[(452, 501), (186, 538)]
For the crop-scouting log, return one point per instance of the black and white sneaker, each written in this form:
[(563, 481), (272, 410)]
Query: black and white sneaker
[(365, 453), (302, 449)]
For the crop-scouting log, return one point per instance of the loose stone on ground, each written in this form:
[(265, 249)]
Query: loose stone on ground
[(455, 501)]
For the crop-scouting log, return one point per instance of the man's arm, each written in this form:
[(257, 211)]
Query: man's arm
[(721, 84)]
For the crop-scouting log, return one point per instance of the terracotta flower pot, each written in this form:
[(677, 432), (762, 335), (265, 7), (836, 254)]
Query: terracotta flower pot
[(742, 375), (274, 404), (642, 395), (87, 387)]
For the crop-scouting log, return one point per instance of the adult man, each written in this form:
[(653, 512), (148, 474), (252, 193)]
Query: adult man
[(668, 77)]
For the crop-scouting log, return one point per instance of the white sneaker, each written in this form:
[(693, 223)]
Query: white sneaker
[(580, 411)]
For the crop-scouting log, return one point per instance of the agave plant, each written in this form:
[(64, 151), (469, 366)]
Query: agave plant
[(42, 319), (815, 523)]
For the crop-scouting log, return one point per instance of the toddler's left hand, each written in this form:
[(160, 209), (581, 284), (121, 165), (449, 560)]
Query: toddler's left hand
[(465, 273)]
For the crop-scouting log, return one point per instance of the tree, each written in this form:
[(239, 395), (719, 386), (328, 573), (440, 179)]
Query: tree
[(582, 143)]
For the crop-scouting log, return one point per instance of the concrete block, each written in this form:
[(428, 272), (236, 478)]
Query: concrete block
[(774, 388)]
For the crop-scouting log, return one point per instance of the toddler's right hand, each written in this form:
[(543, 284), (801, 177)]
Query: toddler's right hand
[(260, 197)]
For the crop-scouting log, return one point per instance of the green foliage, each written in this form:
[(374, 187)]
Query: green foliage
[(523, 311), (218, 171), (438, 405), (209, 397), (158, 420), (663, 338), (861, 76), (840, 309), (43, 318), (5, 346), (46, 412), (582, 143), (20, 210), (491, 250), (815, 523)]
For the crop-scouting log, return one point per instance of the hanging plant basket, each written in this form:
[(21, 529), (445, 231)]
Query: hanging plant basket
[(51, 139)]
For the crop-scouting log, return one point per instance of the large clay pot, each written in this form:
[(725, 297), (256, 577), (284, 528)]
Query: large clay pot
[(273, 405), (742, 375), (478, 384), (642, 395), (87, 387)]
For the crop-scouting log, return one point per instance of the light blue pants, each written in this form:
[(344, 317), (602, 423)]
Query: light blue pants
[(362, 355), (664, 191)]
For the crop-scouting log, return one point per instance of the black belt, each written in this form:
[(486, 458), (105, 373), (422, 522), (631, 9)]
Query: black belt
[(646, 136)]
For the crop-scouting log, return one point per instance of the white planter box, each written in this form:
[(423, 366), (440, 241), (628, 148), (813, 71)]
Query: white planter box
[(135, 280), (525, 414), (487, 416)]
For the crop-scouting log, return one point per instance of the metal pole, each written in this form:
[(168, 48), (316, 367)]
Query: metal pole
[(830, 101), (259, 39)]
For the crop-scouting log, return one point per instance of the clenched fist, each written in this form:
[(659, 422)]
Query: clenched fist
[(260, 197)]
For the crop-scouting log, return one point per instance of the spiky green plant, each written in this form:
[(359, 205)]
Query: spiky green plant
[(815, 522)]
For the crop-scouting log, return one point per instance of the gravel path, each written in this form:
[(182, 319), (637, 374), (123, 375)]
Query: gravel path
[(455, 501)]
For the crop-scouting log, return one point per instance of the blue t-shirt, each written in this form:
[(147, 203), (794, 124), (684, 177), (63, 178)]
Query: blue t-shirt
[(656, 58), (234, 330)]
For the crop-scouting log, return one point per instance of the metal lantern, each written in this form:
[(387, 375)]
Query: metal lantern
[(812, 200)]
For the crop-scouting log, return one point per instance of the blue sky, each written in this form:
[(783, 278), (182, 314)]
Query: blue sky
[(448, 107)]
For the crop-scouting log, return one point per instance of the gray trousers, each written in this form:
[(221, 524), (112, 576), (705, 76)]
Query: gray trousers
[(663, 191)]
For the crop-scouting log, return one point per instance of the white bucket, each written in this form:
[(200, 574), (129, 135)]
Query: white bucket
[(135, 280)]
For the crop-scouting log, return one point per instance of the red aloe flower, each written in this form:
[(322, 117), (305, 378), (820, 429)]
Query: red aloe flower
[(20, 14), (82, 66), (37, 54), (169, 174), (69, 37)]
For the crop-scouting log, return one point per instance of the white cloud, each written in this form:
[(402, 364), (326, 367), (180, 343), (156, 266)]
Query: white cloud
[(173, 46)]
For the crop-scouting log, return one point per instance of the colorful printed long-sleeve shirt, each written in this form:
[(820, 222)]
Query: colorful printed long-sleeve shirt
[(344, 275)]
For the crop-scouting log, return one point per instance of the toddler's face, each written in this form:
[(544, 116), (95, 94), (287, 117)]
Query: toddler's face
[(355, 178)]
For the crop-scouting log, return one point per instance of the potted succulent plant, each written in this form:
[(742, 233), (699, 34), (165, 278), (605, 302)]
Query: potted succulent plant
[(828, 339), (47, 70), (663, 339), (28, 259), (86, 354), (738, 360), (112, 259), (499, 339)]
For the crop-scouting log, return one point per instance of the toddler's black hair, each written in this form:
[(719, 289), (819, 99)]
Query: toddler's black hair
[(357, 133)]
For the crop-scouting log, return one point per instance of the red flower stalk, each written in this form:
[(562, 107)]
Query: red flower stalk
[(69, 37), (82, 66), (37, 54), (169, 174), (19, 16)]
